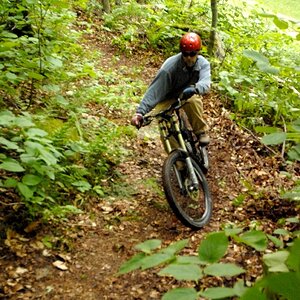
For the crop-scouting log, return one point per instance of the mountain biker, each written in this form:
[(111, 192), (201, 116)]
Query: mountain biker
[(186, 75)]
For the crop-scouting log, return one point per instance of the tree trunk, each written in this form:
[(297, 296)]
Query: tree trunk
[(106, 6), (214, 21)]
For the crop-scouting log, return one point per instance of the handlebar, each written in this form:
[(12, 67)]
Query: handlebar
[(174, 106)]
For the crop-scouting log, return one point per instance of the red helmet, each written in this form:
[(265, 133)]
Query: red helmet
[(190, 42)]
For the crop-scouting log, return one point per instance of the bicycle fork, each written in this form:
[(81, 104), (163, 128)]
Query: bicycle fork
[(164, 127)]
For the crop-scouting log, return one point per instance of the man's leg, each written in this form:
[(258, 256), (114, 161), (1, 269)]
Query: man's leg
[(194, 110)]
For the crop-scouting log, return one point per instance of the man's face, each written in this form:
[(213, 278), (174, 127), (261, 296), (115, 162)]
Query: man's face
[(190, 58)]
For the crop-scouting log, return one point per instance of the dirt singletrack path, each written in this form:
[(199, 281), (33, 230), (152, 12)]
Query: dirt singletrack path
[(104, 238)]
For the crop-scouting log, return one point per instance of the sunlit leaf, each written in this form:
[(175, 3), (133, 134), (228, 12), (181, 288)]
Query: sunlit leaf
[(8, 144), (29, 179), (25, 190), (281, 24), (132, 264), (254, 238), (218, 293), (12, 166), (274, 138), (181, 294), (256, 56), (175, 247), (182, 272), (213, 247), (222, 269), (276, 261), (155, 260), (148, 246)]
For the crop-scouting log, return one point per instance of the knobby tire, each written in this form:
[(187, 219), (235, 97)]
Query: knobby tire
[(193, 209)]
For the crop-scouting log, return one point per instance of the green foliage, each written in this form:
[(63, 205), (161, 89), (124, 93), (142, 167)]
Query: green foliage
[(29, 161), (33, 37), (282, 276), (155, 25), (261, 77)]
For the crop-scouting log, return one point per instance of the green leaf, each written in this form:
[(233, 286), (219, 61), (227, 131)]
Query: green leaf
[(25, 190), (239, 288), (292, 220), (148, 246), (47, 156), (256, 56), (253, 293), (218, 293), (33, 132), (281, 231), (175, 247), (10, 183), (6, 118), (23, 121), (285, 284), (222, 269), (293, 260), (213, 247), (9, 144), (82, 186), (181, 294), (11, 76), (12, 166), (266, 129), (232, 231), (274, 138), (276, 261), (293, 194), (132, 264), (267, 68), (182, 272), (55, 62), (276, 241), (188, 260), (29, 179), (281, 24), (35, 76), (254, 238), (155, 260)]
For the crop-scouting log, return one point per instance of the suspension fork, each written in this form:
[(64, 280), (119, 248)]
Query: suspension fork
[(164, 127)]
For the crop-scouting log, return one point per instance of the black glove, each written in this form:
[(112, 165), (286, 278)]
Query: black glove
[(188, 93)]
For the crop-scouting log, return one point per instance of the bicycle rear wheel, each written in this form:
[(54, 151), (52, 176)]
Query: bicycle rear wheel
[(192, 208)]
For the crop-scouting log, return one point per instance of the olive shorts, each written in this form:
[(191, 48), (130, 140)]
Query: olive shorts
[(193, 109)]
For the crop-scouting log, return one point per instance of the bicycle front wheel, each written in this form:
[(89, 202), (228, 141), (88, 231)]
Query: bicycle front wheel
[(193, 207)]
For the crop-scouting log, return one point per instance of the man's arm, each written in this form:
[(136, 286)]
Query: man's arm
[(155, 93), (204, 82)]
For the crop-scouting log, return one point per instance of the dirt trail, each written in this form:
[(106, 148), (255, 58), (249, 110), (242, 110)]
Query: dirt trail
[(104, 239)]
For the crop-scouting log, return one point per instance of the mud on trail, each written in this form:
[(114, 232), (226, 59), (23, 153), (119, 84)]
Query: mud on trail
[(98, 242)]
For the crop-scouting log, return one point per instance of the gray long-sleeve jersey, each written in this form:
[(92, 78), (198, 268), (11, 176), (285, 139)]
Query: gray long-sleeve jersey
[(172, 78)]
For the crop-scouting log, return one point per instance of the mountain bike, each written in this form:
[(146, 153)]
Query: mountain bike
[(184, 169)]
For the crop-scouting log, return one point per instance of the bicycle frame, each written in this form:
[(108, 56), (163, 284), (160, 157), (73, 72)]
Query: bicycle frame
[(169, 126)]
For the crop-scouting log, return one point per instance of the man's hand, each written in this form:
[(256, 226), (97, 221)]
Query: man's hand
[(137, 120), (188, 93)]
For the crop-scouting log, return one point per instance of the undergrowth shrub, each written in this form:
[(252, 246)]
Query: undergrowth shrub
[(280, 279), (30, 164)]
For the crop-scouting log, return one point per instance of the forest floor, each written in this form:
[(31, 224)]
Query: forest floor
[(92, 246)]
